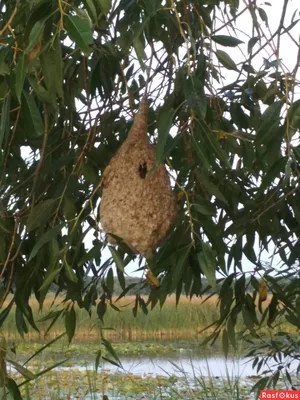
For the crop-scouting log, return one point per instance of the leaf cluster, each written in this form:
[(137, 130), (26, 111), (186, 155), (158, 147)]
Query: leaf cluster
[(71, 77)]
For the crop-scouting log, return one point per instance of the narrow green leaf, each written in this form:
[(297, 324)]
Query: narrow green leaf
[(58, 314), (52, 67), (97, 360), (110, 280), (101, 309), (13, 389), (247, 318), (69, 272), (89, 5), (35, 35), (269, 123), (114, 307), (90, 174), (204, 207), (215, 146), (260, 385), (164, 124), (126, 290), (200, 153), (263, 15), (273, 172), (249, 69), (143, 305), (135, 308), (238, 115), (229, 41), (208, 264), (70, 323), (91, 254), (182, 257), (40, 214), (207, 271), (230, 330), (21, 68), (109, 348), (252, 42), (296, 151), (4, 68), (40, 91), (210, 140), (105, 6), (225, 342), (250, 252), (121, 278), (49, 279), (195, 95), (41, 349), (4, 313), (213, 189), (110, 362), (22, 370), (31, 114), (53, 366), (27, 311), (45, 238), (5, 118), (272, 311), (226, 60), (293, 117), (239, 287), (20, 322), (140, 51), (80, 31), (117, 258)]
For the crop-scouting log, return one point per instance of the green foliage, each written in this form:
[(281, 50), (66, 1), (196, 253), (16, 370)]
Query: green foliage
[(71, 76)]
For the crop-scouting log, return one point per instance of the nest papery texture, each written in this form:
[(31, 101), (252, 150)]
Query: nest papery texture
[(136, 206)]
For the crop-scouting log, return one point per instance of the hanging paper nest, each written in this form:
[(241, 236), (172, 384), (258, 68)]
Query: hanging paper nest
[(137, 206)]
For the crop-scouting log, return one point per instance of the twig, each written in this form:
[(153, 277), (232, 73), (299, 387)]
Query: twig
[(8, 23)]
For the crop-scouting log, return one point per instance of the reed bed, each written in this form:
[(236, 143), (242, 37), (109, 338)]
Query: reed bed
[(186, 321)]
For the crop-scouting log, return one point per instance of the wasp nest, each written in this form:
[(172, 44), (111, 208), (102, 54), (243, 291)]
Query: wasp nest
[(137, 206)]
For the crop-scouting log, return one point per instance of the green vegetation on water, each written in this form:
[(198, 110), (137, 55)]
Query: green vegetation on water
[(88, 384), (143, 335)]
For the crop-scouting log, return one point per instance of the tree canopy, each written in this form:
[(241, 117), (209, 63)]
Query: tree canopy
[(224, 115)]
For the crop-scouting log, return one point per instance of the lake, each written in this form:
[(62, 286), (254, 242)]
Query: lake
[(184, 362)]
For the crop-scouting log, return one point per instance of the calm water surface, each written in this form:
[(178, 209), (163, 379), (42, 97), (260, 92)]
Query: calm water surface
[(184, 363)]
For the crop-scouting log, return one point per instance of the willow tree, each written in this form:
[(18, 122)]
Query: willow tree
[(225, 119)]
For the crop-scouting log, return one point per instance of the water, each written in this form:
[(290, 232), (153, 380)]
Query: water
[(179, 364), (186, 368)]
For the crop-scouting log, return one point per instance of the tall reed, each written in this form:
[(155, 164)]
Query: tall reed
[(185, 321)]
